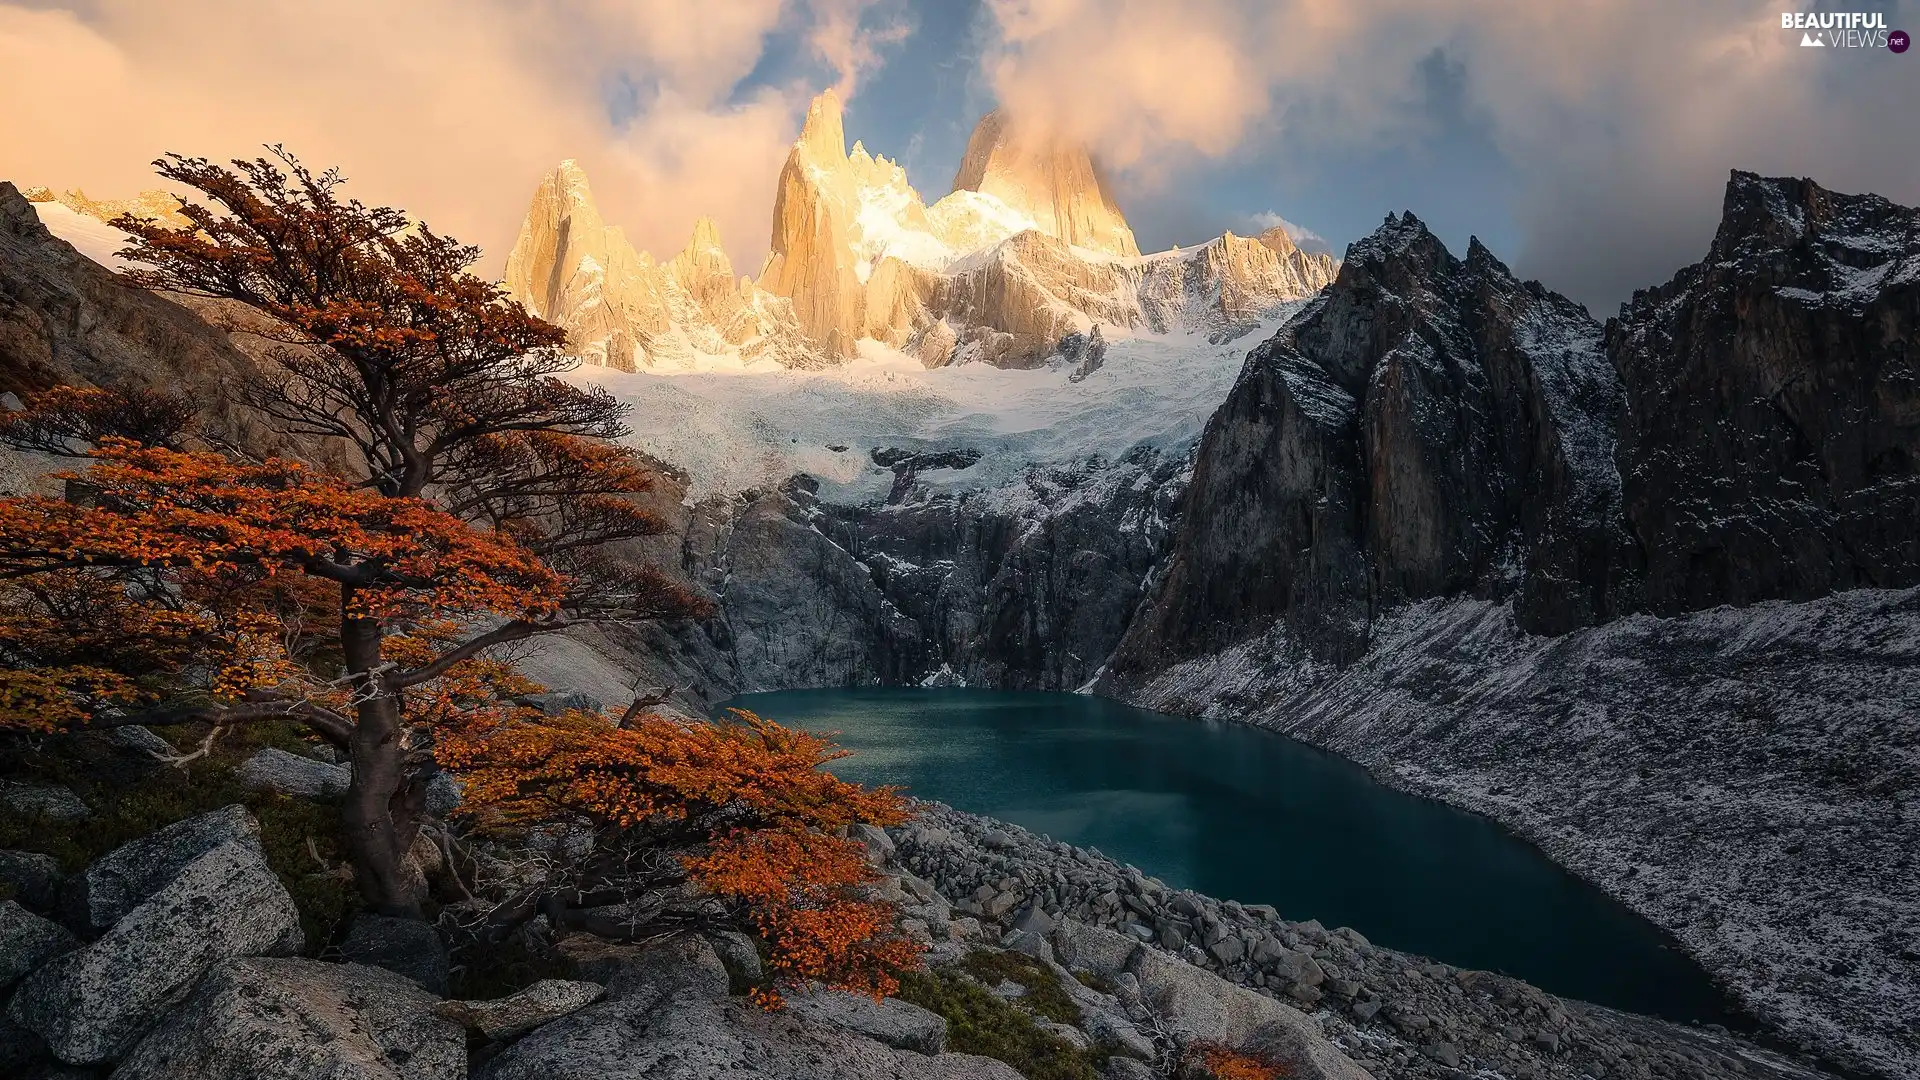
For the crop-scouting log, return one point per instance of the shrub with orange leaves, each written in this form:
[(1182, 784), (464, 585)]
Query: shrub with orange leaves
[(744, 810), (1222, 1063)]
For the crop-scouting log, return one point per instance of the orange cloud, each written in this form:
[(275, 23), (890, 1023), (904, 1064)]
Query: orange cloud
[(451, 109)]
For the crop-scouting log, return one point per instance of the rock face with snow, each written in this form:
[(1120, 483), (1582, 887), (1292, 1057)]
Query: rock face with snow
[(622, 308), (1028, 247), (1428, 426), (1770, 445), (1052, 181)]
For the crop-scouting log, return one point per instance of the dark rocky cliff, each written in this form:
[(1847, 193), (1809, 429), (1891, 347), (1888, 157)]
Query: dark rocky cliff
[(1771, 433), (1432, 427)]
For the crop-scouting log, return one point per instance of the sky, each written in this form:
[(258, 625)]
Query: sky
[(1586, 141)]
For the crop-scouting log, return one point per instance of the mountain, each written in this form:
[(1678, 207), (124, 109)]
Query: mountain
[(158, 206), (624, 310), (1028, 249), (1052, 181)]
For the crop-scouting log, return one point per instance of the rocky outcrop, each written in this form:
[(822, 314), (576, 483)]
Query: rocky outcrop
[(1048, 179), (516, 1014), (1770, 444), (66, 319), (301, 1020), (273, 769), (622, 308)]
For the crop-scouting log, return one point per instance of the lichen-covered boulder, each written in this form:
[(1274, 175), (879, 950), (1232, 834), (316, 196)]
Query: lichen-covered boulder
[(90, 1005), (296, 1019), (116, 882)]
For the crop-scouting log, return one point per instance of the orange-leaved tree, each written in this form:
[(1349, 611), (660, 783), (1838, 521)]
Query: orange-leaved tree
[(175, 583)]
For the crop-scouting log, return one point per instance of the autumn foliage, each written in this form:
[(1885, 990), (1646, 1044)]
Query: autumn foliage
[(181, 581), (1222, 1063)]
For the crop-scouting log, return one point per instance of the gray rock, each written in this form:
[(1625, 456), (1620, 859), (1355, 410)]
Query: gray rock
[(505, 1018), (295, 1019), (273, 769), (27, 941), (97, 897), (1093, 949), (90, 1005), (19, 1048), (406, 947), (879, 844), (740, 956), (899, 1024), (443, 794), (140, 741), (35, 878), (1445, 1053), (1364, 1011), (1121, 1068), (1228, 950), (1029, 944), (1199, 1006), (1034, 919), (49, 801)]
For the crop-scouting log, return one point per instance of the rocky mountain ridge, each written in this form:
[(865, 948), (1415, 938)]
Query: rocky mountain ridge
[(1027, 248)]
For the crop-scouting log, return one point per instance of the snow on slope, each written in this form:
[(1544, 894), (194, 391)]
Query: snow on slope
[(745, 429), (92, 237)]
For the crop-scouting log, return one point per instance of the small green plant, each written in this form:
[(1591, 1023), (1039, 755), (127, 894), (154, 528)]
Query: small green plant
[(1045, 996), (980, 1023)]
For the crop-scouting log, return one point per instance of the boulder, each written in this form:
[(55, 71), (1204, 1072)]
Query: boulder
[(51, 802), (297, 1019), (1093, 949), (92, 1004), (35, 878), (27, 941), (406, 947), (505, 1018), (879, 845), (119, 880), (273, 769), (900, 1024), (1198, 1006)]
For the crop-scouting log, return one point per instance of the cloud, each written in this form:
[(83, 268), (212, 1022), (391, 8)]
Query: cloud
[(1619, 118), (1302, 236), (451, 109)]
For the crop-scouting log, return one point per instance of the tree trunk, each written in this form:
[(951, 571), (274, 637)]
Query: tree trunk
[(381, 817)]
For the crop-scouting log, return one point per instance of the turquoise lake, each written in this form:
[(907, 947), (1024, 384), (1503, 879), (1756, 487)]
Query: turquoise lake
[(1240, 813)]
